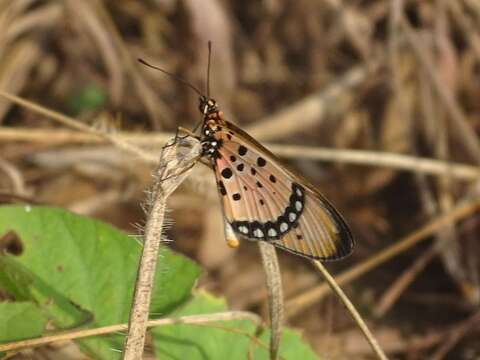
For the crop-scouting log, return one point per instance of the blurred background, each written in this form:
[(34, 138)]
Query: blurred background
[(382, 84)]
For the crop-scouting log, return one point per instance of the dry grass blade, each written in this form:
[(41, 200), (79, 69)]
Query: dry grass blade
[(348, 304), (395, 290), (80, 334), (383, 159), (311, 110), (68, 121), (461, 128), (86, 14), (310, 297), (357, 157), (158, 111), (455, 336)]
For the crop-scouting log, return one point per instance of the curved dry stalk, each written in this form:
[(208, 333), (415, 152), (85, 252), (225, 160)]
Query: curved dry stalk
[(176, 162), (348, 304), (105, 330), (275, 295)]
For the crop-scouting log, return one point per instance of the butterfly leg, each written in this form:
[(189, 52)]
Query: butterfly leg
[(178, 137), (230, 236), (186, 132)]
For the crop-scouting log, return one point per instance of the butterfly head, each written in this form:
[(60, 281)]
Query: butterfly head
[(207, 105)]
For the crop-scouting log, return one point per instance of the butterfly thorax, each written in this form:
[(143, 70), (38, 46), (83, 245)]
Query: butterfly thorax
[(213, 122)]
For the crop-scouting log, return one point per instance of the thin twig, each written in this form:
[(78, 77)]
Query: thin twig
[(390, 160), (311, 296), (68, 121), (348, 304), (124, 141), (358, 157), (174, 167), (455, 336), (461, 128), (311, 110), (79, 334), (391, 295), (275, 295)]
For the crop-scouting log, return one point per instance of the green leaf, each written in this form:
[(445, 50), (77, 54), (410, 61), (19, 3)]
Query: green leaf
[(89, 97), (79, 271), (13, 324), (202, 342)]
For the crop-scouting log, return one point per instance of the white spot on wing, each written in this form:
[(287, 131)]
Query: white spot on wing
[(292, 217), (258, 233), (243, 229), (283, 227), (298, 205), (272, 232)]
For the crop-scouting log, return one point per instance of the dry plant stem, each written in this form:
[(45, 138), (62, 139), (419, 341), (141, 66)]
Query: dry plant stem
[(390, 160), (85, 13), (160, 114), (275, 295), (461, 129), (123, 139), (358, 157), (391, 295), (65, 120), (137, 324), (456, 336), (79, 334), (173, 168), (312, 108), (348, 304), (468, 26), (310, 297)]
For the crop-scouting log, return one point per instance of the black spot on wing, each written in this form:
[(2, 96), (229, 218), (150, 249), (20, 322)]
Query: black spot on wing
[(221, 188), (227, 173), (242, 150)]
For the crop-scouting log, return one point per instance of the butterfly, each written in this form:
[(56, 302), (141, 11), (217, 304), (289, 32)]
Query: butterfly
[(262, 200)]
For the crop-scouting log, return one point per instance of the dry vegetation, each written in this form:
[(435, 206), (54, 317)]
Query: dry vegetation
[(397, 77)]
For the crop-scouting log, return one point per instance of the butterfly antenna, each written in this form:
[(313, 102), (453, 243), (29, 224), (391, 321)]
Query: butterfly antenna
[(179, 79), (208, 68)]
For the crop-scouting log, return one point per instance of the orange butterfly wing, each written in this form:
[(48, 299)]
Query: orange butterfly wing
[(263, 200)]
